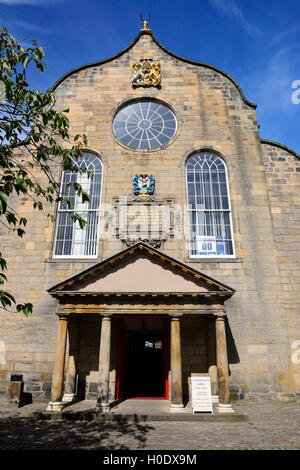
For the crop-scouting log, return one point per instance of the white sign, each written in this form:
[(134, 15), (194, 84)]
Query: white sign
[(207, 245), (2, 352), (201, 395), (296, 352)]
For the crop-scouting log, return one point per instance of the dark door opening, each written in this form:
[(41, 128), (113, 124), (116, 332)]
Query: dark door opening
[(144, 369)]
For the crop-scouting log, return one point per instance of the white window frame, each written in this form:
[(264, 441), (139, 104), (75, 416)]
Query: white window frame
[(189, 211), (81, 211)]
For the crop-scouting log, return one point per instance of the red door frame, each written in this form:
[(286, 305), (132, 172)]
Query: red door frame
[(166, 356), (120, 360)]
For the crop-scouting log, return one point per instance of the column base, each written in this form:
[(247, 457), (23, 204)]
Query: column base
[(222, 408), (215, 398), (176, 408), (68, 397), (55, 406), (103, 407)]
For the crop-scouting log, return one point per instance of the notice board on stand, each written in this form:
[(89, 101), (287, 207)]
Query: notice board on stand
[(201, 394)]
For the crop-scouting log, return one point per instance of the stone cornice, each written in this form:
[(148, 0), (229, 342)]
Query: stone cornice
[(141, 294), (139, 247)]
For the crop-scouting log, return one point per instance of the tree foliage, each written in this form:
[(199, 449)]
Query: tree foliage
[(34, 139)]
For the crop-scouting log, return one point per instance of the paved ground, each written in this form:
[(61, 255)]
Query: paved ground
[(271, 426)]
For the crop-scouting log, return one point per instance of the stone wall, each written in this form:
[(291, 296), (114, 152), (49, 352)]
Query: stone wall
[(283, 177), (193, 349)]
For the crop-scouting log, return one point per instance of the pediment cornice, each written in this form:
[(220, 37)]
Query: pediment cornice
[(164, 276)]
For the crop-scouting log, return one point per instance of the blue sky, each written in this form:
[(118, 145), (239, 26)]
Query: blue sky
[(256, 42)]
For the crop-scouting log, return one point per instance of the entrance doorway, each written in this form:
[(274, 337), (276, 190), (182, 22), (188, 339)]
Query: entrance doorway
[(142, 370), (143, 364)]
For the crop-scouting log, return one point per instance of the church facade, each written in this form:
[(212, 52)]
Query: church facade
[(189, 263)]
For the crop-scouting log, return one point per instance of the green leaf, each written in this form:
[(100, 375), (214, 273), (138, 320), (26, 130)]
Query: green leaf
[(6, 299), (25, 308), (2, 278), (3, 202), (34, 139), (25, 62), (20, 232)]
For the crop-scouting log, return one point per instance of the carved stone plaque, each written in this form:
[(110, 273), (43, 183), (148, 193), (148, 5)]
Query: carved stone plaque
[(151, 222)]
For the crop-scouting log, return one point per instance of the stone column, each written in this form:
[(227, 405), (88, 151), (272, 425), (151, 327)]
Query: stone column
[(176, 369), (104, 364), (71, 375), (212, 360), (222, 365), (59, 366)]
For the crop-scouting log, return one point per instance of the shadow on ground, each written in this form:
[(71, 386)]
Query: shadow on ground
[(33, 433)]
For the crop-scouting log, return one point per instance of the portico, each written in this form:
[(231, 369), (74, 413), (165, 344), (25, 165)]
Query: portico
[(140, 304)]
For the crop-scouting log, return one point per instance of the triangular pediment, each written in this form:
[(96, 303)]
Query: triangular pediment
[(140, 269)]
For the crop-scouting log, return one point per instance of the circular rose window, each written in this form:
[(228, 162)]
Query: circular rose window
[(144, 125)]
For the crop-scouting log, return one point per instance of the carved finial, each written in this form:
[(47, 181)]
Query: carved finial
[(145, 23)]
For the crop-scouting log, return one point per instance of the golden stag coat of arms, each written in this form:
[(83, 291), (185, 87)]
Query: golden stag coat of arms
[(146, 72)]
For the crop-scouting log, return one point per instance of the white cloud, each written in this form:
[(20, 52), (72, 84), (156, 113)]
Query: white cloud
[(230, 8), (270, 82), (283, 35), (10, 24)]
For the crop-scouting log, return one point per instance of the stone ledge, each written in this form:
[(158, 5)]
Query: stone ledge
[(73, 260), (137, 411), (119, 417), (213, 260)]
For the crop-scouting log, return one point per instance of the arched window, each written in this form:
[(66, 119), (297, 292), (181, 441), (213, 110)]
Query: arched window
[(209, 214), (70, 239)]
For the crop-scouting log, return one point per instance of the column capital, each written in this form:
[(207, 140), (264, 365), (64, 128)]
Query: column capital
[(219, 311), (62, 317), (175, 316), (220, 317), (106, 316)]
